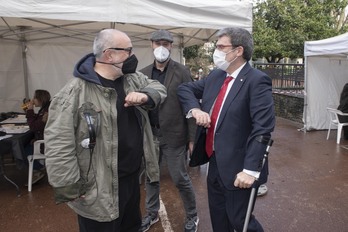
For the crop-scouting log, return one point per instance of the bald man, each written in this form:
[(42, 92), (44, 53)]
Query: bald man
[(97, 133)]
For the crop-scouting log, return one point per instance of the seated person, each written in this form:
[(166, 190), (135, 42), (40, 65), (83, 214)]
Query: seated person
[(37, 122), (344, 108)]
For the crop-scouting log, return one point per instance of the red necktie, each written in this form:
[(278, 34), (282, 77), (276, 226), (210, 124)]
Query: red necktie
[(214, 115)]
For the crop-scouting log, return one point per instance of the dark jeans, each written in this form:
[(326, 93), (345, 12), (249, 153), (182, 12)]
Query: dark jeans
[(176, 163)]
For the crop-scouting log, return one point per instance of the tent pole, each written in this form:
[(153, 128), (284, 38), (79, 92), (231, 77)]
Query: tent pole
[(181, 49), (24, 59), (25, 67), (304, 129)]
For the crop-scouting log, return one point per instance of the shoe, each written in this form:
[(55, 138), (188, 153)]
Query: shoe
[(191, 224), (37, 176), (148, 221), (262, 190)]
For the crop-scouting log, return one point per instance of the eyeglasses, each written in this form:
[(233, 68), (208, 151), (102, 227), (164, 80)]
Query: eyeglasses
[(222, 47), (129, 50)]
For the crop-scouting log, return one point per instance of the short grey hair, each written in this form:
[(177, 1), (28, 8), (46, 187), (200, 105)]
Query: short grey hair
[(239, 37), (102, 41)]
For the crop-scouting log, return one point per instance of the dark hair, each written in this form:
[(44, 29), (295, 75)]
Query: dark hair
[(43, 96), (239, 37), (344, 93)]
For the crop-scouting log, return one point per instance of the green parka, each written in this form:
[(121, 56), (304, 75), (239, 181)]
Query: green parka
[(71, 169)]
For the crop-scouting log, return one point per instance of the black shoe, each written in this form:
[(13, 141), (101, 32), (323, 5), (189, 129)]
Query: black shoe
[(148, 221), (191, 224)]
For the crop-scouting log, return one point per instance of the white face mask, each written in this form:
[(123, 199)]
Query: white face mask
[(220, 59), (161, 54)]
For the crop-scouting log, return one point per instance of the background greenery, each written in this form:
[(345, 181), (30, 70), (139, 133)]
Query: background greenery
[(280, 28)]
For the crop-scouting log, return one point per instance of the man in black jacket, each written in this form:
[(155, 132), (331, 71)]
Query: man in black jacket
[(172, 131), (344, 108)]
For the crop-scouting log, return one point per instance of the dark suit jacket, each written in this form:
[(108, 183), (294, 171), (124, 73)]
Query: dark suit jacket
[(344, 107), (175, 128), (248, 112)]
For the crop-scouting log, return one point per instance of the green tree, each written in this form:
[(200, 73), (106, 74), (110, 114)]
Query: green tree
[(280, 27), (199, 57)]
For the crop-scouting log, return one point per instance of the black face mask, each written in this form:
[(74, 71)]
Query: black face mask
[(129, 65)]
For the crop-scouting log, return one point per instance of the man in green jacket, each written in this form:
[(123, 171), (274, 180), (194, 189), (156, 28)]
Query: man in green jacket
[(96, 134)]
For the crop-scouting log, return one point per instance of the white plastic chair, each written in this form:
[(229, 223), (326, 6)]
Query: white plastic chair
[(36, 156), (334, 120)]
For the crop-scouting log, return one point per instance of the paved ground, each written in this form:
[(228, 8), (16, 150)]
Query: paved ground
[(308, 191)]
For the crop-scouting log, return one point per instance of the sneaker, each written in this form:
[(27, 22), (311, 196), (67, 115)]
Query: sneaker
[(148, 221), (262, 190), (192, 224)]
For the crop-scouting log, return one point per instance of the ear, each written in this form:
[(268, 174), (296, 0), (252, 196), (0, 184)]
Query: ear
[(108, 55), (152, 45), (240, 51)]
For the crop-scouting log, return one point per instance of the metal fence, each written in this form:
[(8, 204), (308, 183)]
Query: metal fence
[(284, 76)]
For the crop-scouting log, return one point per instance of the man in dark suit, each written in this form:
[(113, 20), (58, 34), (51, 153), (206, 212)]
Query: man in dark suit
[(172, 132), (233, 130)]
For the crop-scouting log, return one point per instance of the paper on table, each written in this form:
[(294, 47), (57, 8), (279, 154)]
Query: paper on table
[(12, 129), (21, 118)]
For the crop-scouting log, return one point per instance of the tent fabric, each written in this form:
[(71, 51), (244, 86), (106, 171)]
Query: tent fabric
[(41, 41), (193, 19), (326, 72), (335, 46)]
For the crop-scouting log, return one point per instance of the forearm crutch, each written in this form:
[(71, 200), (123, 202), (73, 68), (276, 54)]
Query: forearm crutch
[(269, 142)]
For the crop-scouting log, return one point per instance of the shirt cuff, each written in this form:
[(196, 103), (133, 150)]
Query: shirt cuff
[(252, 173), (189, 114)]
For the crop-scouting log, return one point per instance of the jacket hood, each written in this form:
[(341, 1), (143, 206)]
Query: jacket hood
[(84, 69)]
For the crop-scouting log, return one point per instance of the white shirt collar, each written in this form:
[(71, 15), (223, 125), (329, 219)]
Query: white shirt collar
[(236, 73)]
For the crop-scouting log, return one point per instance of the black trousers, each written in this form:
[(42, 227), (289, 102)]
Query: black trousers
[(345, 128), (129, 207), (228, 207)]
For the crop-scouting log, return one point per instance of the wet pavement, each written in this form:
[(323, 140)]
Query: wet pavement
[(307, 191)]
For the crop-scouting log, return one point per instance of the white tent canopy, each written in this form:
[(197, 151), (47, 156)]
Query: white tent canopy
[(326, 72), (40, 41)]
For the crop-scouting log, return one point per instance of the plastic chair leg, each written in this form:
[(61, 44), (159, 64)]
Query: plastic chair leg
[(328, 132), (30, 174), (339, 132)]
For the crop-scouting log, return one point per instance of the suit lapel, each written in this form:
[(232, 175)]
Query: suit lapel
[(237, 85), (169, 74)]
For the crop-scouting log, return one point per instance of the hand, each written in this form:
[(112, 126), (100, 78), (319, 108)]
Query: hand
[(135, 99), (202, 118), (244, 180), (30, 105)]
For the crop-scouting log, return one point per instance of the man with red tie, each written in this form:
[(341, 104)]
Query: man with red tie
[(233, 107)]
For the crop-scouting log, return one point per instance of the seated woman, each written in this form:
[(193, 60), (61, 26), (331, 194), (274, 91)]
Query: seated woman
[(37, 122), (344, 108)]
